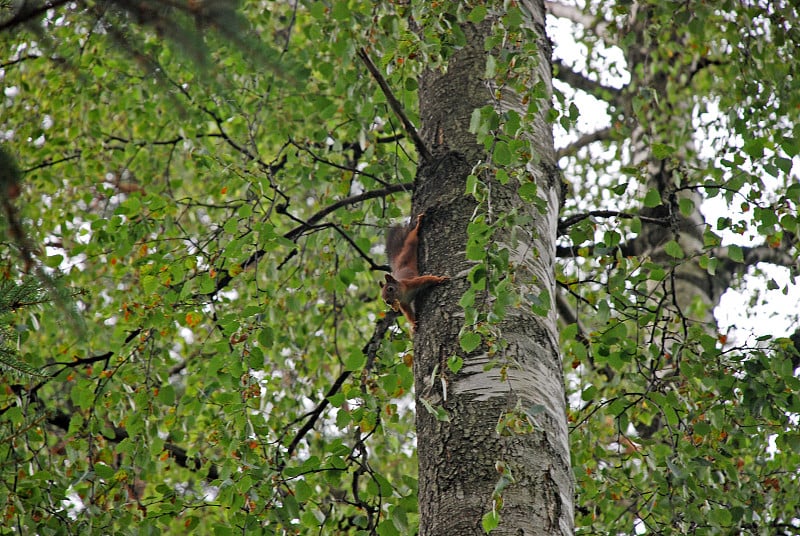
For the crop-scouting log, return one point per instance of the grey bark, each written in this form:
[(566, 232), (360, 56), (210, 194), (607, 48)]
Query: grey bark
[(459, 460)]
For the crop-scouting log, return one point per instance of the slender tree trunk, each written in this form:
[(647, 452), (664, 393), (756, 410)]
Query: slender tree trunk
[(463, 460)]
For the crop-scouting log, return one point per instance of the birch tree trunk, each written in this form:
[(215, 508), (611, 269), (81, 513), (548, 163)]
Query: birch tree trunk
[(505, 446)]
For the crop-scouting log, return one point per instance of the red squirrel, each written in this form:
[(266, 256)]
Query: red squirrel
[(403, 284)]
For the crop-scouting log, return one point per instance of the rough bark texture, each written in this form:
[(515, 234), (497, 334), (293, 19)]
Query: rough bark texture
[(458, 459)]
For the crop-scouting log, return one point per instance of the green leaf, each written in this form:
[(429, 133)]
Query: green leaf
[(469, 341), (454, 363), (437, 411), (754, 147), (491, 67), (104, 471), (661, 150), (302, 491), (341, 10), (540, 304), (669, 413), (673, 249), (473, 185), (720, 517), (467, 301), (528, 191), (387, 528), (476, 251), (652, 198), (54, 261), (502, 154), (620, 189), (502, 176), (793, 441), (475, 121), (686, 206), (317, 10), (265, 337), (166, 395), (355, 360), (513, 17), (337, 399), (490, 521), (735, 254)]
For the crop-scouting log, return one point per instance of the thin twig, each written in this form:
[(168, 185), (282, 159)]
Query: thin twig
[(395, 105), (563, 225), (370, 350)]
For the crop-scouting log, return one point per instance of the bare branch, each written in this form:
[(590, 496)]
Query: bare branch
[(396, 107), (316, 413), (564, 224), (576, 80), (776, 256), (48, 162), (31, 392), (598, 135), (19, 60), (370, 350), (352, 200), (353, 170), (362, 254)]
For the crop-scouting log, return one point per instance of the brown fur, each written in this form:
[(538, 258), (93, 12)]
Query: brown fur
[(404, 283)]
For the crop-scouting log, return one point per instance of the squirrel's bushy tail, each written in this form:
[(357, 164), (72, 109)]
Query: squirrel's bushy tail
[(395, 238)]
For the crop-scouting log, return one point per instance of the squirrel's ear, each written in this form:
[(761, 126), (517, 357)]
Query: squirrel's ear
[(390, 279), (380, 283)]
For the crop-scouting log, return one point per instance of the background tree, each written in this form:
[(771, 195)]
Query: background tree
[(682, 428), (223, 218)]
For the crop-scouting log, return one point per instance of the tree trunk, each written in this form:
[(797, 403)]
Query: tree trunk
[(467, 468)]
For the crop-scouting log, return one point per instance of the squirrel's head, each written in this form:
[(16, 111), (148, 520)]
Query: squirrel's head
[(391, 292)]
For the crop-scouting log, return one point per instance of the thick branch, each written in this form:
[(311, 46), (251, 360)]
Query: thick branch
[(225, 278), (352, 200), (24, 16), (776, 256), (576, 80), (396, 107), (598, 135)]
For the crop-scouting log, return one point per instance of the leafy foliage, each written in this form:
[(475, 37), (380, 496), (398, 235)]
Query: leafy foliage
[(236, 372), (214, 385), (679, 427)]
